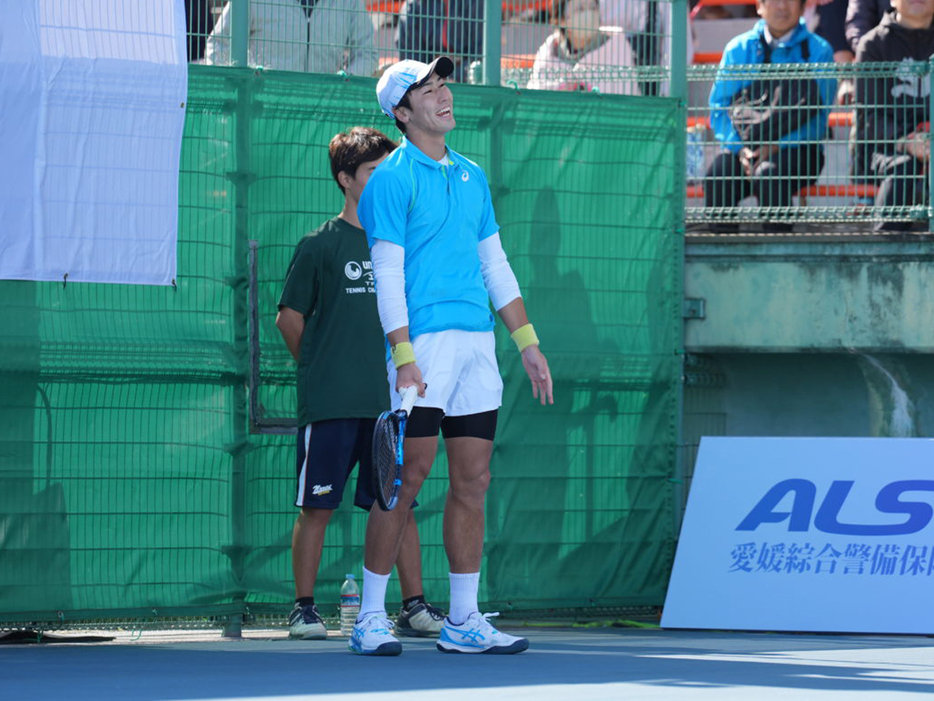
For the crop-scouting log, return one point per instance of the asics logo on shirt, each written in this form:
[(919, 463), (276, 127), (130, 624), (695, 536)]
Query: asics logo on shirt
[(318, 489)]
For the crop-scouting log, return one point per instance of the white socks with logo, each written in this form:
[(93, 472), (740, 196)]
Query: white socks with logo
[(464, 588)]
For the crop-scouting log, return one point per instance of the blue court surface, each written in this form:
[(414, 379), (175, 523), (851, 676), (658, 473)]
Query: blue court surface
[(589, 665)]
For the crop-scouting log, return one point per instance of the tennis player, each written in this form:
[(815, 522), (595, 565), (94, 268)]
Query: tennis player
[(328, 319), (438, 262)]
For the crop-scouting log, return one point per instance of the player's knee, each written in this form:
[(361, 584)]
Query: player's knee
[(313, 518), (471, 487), (416, 471)]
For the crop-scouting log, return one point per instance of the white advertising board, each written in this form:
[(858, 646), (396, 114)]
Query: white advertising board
[(807, 534)]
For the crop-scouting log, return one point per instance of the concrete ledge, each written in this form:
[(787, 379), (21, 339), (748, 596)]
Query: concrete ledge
[(818, 292)]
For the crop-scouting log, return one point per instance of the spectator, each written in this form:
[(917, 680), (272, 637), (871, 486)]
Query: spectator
[(573, 56), (861, 16), (199, 21), (646, 24), (894, 110), (315, 36), (430, 28), (782, 153), (831, 21)]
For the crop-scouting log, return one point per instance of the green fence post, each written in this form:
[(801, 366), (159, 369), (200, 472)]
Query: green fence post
[(679, 54), (678, 82), (239, 446), (239, 31), (930, 170), (492, 42)]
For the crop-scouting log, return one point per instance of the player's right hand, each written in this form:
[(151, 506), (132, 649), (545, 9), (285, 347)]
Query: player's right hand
[(410, 376)]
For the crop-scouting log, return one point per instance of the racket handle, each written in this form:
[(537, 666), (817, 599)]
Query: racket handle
[(409, 395)]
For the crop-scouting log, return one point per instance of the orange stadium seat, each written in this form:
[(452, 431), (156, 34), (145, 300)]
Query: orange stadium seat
[(387, 6), (393, 6), (860, 191), (836, 119), (713, 3), (518, 61), (516, 7), (705, 57)]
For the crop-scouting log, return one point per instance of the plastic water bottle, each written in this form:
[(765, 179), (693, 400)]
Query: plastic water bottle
[(475, 73), (350, 605), (695, 153)]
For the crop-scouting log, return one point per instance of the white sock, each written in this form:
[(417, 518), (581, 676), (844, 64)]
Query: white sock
[(464, 589), (373, 599)]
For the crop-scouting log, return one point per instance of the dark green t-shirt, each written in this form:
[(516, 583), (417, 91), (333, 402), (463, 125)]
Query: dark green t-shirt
[(342, 363)]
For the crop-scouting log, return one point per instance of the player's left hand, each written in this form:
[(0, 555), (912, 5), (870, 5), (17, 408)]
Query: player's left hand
[(536, 366)]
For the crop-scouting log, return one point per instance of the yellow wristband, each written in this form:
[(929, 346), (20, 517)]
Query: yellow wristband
[(402, 354), (524, 337)]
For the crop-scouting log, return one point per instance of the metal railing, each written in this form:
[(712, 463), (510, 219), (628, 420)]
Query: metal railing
[(610, 46), (814, 161)]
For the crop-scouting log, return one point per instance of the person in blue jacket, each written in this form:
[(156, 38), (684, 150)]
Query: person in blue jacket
[(779, 164)]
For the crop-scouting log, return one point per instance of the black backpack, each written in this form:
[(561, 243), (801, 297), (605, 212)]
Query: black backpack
[(769, 108)]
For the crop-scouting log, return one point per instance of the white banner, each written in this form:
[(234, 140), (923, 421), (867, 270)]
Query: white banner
[(807, 534), (93, 95)]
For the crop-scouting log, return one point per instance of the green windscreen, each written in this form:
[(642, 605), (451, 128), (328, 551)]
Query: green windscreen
[(146, 465)]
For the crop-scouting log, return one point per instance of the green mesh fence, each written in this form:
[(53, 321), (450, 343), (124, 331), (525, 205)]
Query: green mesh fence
[(132, 485)]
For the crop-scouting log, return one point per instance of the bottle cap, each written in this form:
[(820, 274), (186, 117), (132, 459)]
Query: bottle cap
[(350, 576)]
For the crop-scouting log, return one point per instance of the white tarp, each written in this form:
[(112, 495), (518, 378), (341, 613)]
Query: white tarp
[(92, 95), (807, 534)]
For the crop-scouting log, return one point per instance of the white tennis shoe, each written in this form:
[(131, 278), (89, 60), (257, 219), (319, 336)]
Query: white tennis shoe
[(478, 635), (372, 636)]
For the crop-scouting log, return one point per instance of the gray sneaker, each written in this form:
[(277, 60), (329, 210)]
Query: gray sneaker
[(421, 621), (306, 624)]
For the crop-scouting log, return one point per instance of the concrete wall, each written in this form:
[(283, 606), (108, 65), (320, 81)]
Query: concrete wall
[(809, 338), (874, 296)]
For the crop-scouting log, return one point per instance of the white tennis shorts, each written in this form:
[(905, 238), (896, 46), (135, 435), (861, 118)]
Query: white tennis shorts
[(460, 370)]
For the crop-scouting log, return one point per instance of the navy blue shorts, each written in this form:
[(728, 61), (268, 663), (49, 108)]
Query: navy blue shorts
[(327, 453)]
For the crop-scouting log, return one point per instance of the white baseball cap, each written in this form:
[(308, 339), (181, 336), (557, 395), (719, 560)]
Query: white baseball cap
[(400, 77)]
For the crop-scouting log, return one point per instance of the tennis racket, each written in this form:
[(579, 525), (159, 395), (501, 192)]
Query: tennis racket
[(388, 436)]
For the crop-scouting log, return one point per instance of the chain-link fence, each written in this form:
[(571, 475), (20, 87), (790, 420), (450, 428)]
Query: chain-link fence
[(785, 147)]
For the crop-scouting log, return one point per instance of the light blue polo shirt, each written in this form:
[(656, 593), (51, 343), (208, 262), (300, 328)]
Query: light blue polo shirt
[(439, 214)]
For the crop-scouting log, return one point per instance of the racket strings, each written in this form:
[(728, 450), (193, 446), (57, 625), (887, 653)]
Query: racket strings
[(384, 459)]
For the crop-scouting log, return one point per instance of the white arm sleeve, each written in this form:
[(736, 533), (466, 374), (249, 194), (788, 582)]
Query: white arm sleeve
[(498, 277), (389, 271)]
